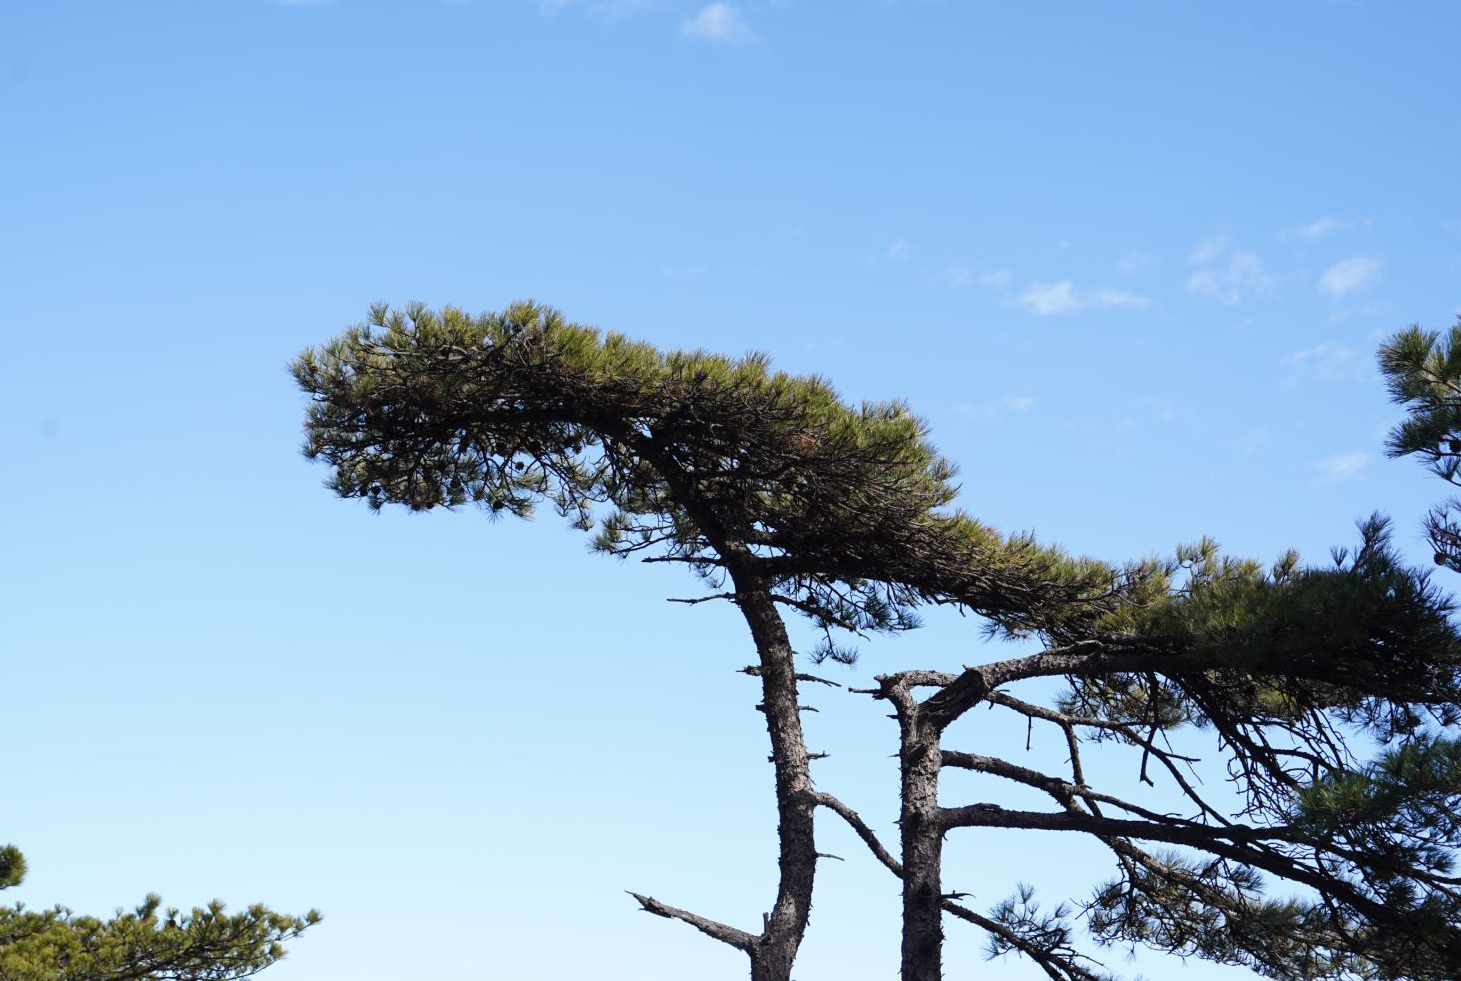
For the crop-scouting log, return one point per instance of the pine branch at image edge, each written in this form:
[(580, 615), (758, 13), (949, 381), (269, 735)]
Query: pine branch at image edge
[(779, 496), (149, 943), (1292, 670), (1422, 371)]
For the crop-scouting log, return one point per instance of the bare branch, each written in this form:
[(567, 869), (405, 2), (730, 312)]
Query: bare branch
[(755, 671), (864, 832), (739, 939)]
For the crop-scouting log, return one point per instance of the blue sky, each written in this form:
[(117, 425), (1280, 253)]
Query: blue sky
[(1130, 258)]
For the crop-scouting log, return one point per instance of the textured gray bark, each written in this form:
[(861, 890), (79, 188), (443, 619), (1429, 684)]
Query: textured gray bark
[(773, 952), (921, 832), (923, 932)]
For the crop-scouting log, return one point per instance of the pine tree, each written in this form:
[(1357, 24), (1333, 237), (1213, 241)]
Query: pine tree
[(208, 944), (780, 497), (770, 489), (1422, 370), (1294, 670)]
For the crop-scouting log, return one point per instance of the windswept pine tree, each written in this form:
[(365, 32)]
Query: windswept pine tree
[(766, 486), (148, 944), (782, 498), (1422, 369)]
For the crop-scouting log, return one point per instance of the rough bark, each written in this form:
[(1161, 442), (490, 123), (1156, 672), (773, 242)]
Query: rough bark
[(921, 832), (923, 933), (773, 952), (775, 949)]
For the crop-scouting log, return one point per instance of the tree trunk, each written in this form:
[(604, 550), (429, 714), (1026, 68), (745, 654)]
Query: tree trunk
[(923, 839), (776, 949)]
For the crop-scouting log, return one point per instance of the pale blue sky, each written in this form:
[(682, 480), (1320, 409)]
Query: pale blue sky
[(1131, 258)]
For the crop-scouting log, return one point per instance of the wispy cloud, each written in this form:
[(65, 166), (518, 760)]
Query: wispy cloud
[(1249, 441), (1313, 231), (603, 8), (1225, 274), (719, 22), (614, 9), (1044, 299), (899, 250), (1117, 298), (1047, 299), (1209, 249), (961, 275), (1339, 468), (1135, 261), (994, 408), (1349, 275), (1330, 361)]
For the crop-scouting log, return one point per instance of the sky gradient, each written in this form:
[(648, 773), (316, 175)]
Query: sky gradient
[(1130, 258)]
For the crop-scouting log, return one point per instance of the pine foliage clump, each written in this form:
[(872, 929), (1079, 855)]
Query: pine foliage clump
[(661, 451), (1422, 369), (149, 943)]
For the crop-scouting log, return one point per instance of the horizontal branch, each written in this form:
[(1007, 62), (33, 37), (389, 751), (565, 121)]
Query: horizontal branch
[(754, 670), (1062, 790), (1240, 843), (697, 600), (1177, 831)]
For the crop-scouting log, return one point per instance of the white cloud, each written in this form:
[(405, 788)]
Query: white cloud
[(958, 275), (1208, 249), (1046, 299), (1249, 441), (720, 22), (1339, 468), (1043, 299), (614, 9), (994, 408), (898, 250), (1348, 276), (1117, 298), (1135, 261), (1313, 231), (1331, 361), (1225, 274)]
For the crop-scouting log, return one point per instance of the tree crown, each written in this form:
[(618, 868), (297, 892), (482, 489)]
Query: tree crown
[(719, 463)]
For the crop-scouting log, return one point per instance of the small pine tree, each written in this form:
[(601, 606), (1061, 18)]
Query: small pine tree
[(148, 944)]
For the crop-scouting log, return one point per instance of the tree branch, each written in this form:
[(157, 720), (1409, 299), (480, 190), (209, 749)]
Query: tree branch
[(739, 939)]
